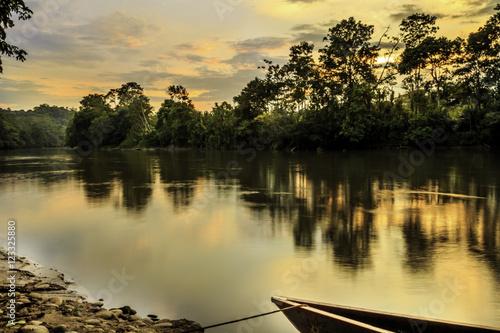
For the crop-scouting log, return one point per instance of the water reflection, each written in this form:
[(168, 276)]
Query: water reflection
[(130, 176), (344, 197)]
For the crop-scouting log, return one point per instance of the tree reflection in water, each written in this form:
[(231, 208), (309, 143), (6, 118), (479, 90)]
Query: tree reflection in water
[(337, 199)]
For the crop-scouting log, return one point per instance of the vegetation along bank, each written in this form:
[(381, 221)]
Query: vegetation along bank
[(351, 93)]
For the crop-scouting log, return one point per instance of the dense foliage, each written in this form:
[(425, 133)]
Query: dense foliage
[(44, 126), (351, 93)]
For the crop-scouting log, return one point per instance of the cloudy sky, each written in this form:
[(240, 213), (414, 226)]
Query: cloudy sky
[(212, 47)]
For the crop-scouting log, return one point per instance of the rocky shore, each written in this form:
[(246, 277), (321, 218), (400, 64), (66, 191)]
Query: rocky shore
[(37, 299)]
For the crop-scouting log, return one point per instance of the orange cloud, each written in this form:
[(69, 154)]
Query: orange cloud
[(5, 106)]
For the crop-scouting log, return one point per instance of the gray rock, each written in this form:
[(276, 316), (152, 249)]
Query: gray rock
[(55, 300), (93, 321), (127, 310), (99, 304), (43, 286), (23, 312), (105, 314), (59, 329), (36, 322), (134, 318), (35, 296), (34, 329), (117, 312), (166, 324)]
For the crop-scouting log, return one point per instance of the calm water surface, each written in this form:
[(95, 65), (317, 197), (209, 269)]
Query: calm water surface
[(211, 236)]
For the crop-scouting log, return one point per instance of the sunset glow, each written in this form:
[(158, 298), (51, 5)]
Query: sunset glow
[(213, 48)]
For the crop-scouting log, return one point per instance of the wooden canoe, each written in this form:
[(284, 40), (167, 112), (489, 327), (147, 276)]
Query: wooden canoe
[(314, 317)]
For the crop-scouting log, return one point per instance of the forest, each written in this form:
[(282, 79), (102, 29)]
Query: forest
[(44, 126), (357, 91)]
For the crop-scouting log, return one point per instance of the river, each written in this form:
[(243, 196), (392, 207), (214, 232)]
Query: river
[(211, 236)]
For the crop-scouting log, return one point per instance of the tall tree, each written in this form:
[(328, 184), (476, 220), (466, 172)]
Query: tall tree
[(349, 57), (131, 96), (177, 124), (480, 64), (8, 8), (254, 99), (439, 54), (347, 65), (300, 72), (79, 130), (414, 30)]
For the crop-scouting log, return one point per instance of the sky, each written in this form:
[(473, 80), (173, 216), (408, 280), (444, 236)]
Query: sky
[(211, 47)]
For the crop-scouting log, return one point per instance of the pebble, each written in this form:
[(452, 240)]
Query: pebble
[(35, 296), (117, 312), (33, 329), (59, 329), (55, 300), (50, 307), (134, 318), (163, 325), (127, 310), (42, 286), (105, 314)]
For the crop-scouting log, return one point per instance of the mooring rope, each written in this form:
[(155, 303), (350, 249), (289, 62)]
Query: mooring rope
[(243, 319)]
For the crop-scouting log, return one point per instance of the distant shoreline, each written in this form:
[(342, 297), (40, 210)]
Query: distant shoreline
[(319, 149)]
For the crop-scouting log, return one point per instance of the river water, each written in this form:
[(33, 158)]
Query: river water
[(211, 236)]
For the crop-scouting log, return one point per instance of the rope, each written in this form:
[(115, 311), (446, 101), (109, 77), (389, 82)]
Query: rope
[(243, 319)]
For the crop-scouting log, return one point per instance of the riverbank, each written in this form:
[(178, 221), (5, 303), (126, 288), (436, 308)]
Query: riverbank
[(47, 301)]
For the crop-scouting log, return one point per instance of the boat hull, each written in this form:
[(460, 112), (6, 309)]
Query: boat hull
[(315, 317)]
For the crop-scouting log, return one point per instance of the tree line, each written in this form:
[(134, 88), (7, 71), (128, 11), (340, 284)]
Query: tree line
[(351, 93), (44, 126)]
